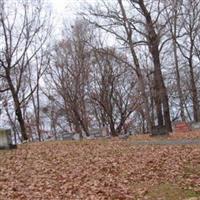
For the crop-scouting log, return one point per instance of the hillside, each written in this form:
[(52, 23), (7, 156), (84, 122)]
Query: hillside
[(100, 169)]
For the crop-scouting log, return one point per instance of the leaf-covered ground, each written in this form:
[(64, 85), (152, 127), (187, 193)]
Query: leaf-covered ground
[(171, 136), (100, 169)]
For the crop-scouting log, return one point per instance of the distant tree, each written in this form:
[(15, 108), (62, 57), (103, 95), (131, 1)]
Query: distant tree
[(114, 90), (69, 71), (116, 22)]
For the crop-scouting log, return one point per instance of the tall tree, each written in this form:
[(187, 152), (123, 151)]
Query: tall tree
[(173, 16), (153, 42), (117, 23), (69, 70), (191, 27), (22, 36), (114, 91)]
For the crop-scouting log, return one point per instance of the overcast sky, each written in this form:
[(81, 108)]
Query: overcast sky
[(66, 10), (68, 7), (61, 5)]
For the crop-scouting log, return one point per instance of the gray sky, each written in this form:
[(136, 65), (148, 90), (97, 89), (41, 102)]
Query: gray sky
[(68, 7), (66, 10), (63, 8), (61, 5)]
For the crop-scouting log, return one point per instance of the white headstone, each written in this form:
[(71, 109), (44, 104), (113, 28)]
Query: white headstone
[(104, 131), (195, 125), (76, 136)]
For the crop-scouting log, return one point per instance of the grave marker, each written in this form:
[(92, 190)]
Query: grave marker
[(182, 127), (6, 139)]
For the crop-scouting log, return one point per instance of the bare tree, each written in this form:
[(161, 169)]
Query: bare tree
[(22, 37), (115, 22), (114, 91), (36, 71), (191, 27), (174, 15), (153, 42), (70, 72), (122, 18)]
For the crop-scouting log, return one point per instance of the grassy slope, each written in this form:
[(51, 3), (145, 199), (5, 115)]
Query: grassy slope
[(102, 169)]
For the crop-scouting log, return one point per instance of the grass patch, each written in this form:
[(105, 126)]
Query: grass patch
[(168, 191), (191, 170)]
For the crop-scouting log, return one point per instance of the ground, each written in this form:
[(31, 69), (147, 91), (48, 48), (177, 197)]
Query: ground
[(102, 169)]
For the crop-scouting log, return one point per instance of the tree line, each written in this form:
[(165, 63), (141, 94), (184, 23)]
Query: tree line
[(125, 65)]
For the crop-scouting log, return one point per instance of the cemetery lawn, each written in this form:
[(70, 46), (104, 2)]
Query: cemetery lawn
[(100, 169)]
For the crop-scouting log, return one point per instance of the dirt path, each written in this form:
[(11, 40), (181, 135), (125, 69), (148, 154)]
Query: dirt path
[(168, 142)]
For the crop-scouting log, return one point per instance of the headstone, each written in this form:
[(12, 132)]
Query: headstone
[(96, 133), (104, 131), (6, 139), (182, 127), (108, 137), (195, 125), (124, 136), (76, 136), (67, 136), (158, 130), (91, 137)]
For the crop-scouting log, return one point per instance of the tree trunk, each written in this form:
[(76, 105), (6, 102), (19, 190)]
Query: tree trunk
[(18, 111), (178, 80), (161, 91), (21, 121), (158, 95), (161, 97), (36, 107), (174, 41), (38, 113), (128, 30), (166, 111), (112, 129), (80, 122), (146, 103), (194, 92)]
